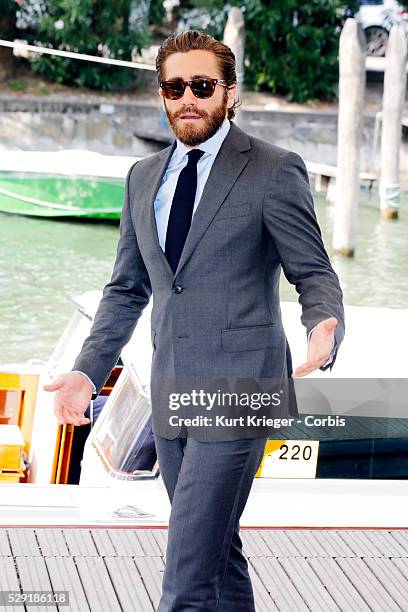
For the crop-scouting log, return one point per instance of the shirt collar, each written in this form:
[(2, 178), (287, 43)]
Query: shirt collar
[(211, 145)]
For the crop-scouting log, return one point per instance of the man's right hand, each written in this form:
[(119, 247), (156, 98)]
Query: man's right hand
[(73, 394)]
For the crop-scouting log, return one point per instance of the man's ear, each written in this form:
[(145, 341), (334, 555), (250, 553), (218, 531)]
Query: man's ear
[(232, 92), (162, 99)]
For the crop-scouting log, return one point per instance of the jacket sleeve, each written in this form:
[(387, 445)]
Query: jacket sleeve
[(122, 303), (290, 219)]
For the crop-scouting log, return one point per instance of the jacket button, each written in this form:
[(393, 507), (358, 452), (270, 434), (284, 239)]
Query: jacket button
[(177, 289)]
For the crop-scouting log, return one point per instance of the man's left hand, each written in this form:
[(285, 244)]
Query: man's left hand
[(319, 348)]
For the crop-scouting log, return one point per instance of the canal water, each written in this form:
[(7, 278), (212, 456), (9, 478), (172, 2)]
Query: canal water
[(43, 262)]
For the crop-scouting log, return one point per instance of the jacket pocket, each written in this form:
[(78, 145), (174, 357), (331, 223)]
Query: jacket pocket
[(252, 338), (233, 210)]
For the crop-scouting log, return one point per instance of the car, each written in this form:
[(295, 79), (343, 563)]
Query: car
[(377, 18)]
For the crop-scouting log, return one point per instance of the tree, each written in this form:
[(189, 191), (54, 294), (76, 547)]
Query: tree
[(106, 28), (8, 11), (291, 45)]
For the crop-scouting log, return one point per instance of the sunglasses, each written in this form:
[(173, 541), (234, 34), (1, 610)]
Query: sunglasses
[(201, 88)]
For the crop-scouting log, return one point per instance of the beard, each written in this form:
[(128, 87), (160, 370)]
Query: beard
[(192, 135)]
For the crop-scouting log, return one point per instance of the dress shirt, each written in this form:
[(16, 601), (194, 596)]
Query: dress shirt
[(164, 197), (178, 161)]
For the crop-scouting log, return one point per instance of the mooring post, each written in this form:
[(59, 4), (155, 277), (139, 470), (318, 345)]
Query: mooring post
[(395, 76), (234, 37), (350, 115)]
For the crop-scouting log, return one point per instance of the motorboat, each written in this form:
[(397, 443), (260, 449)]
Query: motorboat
[(108, 473), (64, 184)]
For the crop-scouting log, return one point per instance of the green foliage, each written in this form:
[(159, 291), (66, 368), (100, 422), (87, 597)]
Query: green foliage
[(17, 84), (291, 45), (8, 11), (8, 7), (96, 27), (156, 12)]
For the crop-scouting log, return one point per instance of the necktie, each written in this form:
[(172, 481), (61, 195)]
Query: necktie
[(181, 210)]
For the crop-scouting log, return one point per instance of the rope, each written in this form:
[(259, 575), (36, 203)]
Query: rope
[(71, 54)]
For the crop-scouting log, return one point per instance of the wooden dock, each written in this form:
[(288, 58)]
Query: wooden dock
[(120, 569)]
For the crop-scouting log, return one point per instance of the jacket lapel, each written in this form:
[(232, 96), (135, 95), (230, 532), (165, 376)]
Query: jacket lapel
[(228, 165), (163, 159)]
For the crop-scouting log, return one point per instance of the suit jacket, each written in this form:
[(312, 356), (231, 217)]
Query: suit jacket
[(219, 314)]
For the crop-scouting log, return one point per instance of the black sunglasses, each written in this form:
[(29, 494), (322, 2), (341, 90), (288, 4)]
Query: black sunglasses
[(201, 88)]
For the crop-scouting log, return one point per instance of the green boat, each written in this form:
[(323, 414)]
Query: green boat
[(38, 195), (72, 183)]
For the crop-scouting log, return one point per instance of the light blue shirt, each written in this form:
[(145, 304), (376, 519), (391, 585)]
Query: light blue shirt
[(178, 161)]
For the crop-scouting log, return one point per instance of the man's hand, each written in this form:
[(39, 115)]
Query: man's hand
[(73, 394), (320, 347)]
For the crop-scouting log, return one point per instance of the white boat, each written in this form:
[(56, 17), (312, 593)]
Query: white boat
[(111, 492)]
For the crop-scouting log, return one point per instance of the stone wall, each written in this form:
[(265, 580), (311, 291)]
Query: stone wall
[(129, 128)]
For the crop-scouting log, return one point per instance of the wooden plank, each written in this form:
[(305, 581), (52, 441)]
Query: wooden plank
[(128, 584), (360, 544), (283, 592), (97, 584), (391, 578), (307, 543), (160, 535), (126, 543), (253, 543), (371, 589), (23, 542), (332, 543), (384, 541), (80, 543), (307, 582), (52, 542), (151, 570), (402, 538), (8, 581), (279, 543), (34, 577), (337, 584), (148, 544), (263, 600), (103, 543), (64, 577), (5, 550)]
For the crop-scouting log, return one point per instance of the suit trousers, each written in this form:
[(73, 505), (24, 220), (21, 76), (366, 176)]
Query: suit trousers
[(208, 484)]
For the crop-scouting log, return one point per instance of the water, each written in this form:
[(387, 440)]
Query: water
[(41, 262)]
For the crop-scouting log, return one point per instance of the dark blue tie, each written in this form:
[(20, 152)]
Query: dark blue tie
[(182, 209)]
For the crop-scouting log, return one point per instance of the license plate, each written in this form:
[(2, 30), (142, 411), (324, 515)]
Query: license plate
[(289, 459)]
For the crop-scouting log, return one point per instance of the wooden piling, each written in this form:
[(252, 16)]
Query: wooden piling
[(234, 37), (351, 99), (395, 76)]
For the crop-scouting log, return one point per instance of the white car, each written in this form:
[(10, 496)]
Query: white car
[(377, 18)]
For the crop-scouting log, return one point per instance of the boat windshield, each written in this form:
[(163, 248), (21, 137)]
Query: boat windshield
[(124, 440)]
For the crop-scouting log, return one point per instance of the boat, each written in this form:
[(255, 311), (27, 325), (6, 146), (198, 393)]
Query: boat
[(65, 184), (342, 480)]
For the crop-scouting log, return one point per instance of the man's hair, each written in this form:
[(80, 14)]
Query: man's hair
[(194, 39)]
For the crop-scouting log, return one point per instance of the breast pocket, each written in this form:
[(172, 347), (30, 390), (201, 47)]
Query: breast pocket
[(231, 211)]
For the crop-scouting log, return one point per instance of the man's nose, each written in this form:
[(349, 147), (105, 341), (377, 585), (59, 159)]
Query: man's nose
[(188, 95)]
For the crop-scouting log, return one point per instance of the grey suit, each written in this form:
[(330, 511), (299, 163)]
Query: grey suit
[(217, 316)]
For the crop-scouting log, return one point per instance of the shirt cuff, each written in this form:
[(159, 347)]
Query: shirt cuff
[(331, 356), (87, 378)]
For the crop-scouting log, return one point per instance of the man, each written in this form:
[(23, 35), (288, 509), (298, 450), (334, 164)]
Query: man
[(206, 226)]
